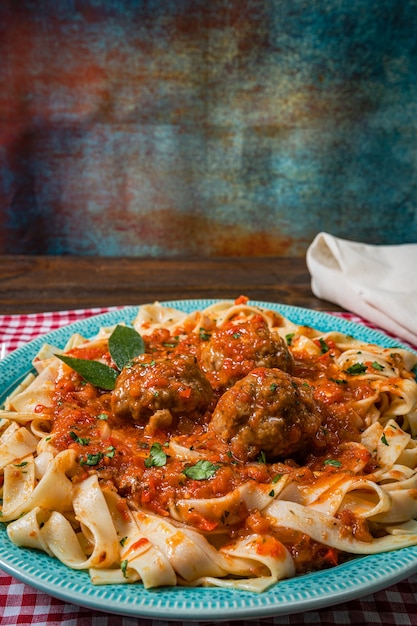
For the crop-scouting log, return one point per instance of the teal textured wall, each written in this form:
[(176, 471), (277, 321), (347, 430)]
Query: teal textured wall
[(216, 128)]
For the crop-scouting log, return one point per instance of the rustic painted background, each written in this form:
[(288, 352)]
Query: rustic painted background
[(208, 127)]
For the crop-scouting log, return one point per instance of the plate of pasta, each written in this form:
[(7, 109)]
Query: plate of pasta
[(204, 459)]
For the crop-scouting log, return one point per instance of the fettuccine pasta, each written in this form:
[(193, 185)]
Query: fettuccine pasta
[(228, 447)]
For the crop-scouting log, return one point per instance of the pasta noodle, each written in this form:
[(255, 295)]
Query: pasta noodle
[(227, 447)]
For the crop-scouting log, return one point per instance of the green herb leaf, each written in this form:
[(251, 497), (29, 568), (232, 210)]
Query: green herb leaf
[(289, 338), (204, 335), (157, 457), (93, 372), (377, 366), (123, 567), (201, 470), (92, 459), (333, 462), (110, 452), (356, 368), (125, 344), (323, 346), (384, 440), (276, 478), (261, 457), (83, 441)]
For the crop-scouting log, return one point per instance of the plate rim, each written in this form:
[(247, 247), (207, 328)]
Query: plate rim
[(231, 604)]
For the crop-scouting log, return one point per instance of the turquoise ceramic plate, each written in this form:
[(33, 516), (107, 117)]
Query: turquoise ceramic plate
[(346, 582)]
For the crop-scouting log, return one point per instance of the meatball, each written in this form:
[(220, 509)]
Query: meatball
[(268, 411), (237, 348), (153, 384)]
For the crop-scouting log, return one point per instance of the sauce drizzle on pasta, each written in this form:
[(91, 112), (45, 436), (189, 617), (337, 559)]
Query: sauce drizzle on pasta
[(237, 450)]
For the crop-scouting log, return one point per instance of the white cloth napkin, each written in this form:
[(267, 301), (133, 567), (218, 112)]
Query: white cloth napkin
[(379, 283)]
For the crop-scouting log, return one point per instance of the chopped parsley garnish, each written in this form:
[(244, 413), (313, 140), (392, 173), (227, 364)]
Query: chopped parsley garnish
[(204, 335), (92, 459), (110, 451), (384, 440), (289, 338), (157, 457), (333, 462), (83, 441), (356, 368), (202, 470), (323, 346), (377, 366), (150, 364)]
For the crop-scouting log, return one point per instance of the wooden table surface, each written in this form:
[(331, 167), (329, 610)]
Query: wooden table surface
[(30, 284)]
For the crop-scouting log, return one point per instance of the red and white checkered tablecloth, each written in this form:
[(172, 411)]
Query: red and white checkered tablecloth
[(21, 604)]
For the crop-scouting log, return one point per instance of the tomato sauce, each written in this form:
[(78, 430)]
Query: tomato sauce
[(144, 471)]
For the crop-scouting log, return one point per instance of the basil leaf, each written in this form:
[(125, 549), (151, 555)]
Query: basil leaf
[(157, 457), (124, 344), (201, 470), (93, 372)]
